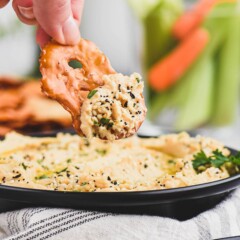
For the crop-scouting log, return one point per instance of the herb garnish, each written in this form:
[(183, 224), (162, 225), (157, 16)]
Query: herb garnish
[(24, 166), (138, 80), (41, 177), (105, 122), (201, 162), (101, 151), (96, 123), (39, 161), (91, 94), (84, 183), (63, 170)]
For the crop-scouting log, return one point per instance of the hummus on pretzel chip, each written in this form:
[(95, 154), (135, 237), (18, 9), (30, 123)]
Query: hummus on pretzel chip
[(102, 103), (114, 110)]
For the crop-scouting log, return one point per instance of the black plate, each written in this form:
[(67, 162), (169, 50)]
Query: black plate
[(180, 203)]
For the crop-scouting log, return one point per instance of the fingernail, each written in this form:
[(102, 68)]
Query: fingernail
[(26, 12), (71, 31)]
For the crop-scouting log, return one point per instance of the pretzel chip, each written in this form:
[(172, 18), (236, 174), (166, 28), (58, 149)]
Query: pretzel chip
[(71, 87), (67, 85)]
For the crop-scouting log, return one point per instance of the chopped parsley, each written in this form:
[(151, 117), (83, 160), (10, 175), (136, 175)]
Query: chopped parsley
[(102, 152), (84, 183), (24, 166), (69, 160), (96, 123), (63, 170), (171, 161), (91, 94), (104, 121), (39, 161), (201, 162), (41, 177), (138, 80)]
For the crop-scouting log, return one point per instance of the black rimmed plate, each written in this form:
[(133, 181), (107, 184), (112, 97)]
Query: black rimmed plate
[(180, 203)]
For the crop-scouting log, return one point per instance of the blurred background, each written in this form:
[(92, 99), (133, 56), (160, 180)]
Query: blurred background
[(188, 53)]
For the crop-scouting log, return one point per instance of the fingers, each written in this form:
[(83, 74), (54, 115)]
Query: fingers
[(3, 3), (56, 18), (77, 8), (42, 38), (24, 11)]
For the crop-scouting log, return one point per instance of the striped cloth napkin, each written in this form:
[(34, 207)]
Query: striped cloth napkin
[(60, 224)]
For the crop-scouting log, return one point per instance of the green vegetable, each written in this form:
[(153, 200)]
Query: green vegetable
[(39, 161), (96, 123), (157, 17), (41, 177), (158, 30), (24, 166), (193, 96), (227, 79), (101, 151), (142, 8), (91, 94), (106, 122), (201, 162), (63, 170)]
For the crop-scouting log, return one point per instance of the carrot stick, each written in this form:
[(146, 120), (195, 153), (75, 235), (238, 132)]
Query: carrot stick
[(193, 18), (167, 71)]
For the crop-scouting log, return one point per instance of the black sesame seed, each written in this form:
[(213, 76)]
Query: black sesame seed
[(132, 95), (17, 176)]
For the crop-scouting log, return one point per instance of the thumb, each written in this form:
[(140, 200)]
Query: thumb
[(55, 17)]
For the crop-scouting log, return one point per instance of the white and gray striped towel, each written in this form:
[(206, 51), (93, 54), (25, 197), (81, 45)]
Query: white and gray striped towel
[(57, 224)]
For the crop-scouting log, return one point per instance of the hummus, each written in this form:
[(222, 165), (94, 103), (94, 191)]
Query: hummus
[(71, 163), (114, 110)]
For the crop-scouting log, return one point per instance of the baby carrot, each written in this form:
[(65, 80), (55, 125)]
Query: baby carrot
[(168, 70), (193, 18)]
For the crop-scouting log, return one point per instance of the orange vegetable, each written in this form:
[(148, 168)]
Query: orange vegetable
[(193, 18), (168, 70)]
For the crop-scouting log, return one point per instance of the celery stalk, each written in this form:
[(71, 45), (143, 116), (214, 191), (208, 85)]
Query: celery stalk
[(197, 108), (158, 30), (142, 8), (227, 81)]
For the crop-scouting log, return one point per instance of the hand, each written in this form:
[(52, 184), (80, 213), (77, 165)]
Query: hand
[(57, 19)]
